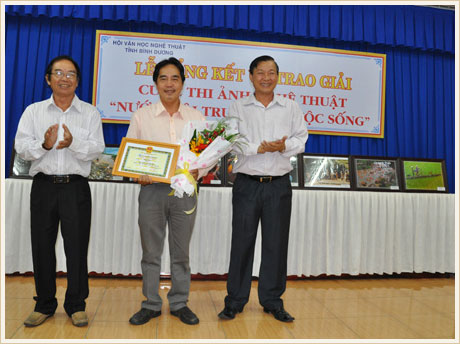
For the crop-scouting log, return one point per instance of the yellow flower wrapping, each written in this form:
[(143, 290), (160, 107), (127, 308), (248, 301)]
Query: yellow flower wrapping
[(191, 180)]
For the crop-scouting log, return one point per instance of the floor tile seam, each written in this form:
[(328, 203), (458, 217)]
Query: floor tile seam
[(9, 318), (380, 308), (286, 327), (327, 308), (367, 315), (128, 300), (157, 328), (415, 331), (322, 303), (406, 325), (422, 297), (410, 330), (346, 325), (16, 331), (427, 305), (88, 327), (382, 296), (219, 322), (337, 298), (436, 293), (96, 310), (18, 298), (415, 316)]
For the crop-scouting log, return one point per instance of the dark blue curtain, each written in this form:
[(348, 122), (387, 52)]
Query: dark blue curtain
[(418, 41)]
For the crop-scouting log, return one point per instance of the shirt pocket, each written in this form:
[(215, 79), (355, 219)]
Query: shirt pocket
[(281, 128), (79, 133)]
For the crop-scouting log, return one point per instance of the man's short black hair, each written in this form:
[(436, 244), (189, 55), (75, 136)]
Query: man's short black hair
[(260, 59), (49, 69), (171, 61)]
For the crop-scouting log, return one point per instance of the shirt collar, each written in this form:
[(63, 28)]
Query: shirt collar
[(76, 102), (251, 100), (162, 110)]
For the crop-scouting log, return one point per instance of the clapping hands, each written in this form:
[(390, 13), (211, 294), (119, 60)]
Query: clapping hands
[(272, 146)]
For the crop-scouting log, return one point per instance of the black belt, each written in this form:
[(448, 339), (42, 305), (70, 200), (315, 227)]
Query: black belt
[(262, 179), (59, 178)]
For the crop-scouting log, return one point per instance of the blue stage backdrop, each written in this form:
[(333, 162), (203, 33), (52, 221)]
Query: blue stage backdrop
[(418, 41)]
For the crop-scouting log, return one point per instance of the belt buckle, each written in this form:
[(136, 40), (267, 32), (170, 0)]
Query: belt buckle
[(267, 179), (61, 179)]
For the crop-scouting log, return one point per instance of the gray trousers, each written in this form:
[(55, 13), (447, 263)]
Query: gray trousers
[(156, 209)]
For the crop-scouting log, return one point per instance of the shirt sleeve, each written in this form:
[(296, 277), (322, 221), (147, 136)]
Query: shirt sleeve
[(295, 143), (27, 145), (133, 129), (88, 146)]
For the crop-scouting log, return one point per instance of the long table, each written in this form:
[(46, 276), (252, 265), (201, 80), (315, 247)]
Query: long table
[(332, 232)]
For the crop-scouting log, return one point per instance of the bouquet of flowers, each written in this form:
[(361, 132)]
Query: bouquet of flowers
[(203, 143)]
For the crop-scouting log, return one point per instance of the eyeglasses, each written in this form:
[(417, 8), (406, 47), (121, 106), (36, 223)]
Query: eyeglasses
[(69, 75)]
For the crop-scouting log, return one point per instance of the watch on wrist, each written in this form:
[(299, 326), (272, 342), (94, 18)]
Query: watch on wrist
[(44, 147)]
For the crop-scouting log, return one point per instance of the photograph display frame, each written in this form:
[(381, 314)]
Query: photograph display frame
[(417, 175), (214, 178), (326, 171), (374, 178), (294, 175), (230, 160), (141, 157), (102, 167), (353, 180), (19, 168)]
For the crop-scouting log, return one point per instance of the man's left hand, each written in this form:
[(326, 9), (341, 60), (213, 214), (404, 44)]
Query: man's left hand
[(67, 138), (274, 146)]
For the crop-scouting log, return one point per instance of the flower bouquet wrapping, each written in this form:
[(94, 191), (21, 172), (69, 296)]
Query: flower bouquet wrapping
[(203, 143)]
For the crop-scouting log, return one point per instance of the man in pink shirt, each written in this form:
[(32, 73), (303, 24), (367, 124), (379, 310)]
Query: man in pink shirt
[(163, 122)]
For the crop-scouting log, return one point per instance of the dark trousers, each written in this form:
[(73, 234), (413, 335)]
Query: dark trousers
[(271, 204), (69, 204)]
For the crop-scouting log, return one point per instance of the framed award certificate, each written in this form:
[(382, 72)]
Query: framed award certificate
[(155, 159)]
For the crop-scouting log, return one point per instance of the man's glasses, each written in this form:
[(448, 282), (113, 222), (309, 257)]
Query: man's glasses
[(69, 75)]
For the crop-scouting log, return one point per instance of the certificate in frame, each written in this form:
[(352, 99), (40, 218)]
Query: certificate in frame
[(424, 175), (141, 157), (376, 173)]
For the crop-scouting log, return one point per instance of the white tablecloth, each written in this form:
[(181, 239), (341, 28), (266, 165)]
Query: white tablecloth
[(332, 232)]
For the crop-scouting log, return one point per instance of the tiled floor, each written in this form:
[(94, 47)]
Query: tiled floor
[(383, 308)]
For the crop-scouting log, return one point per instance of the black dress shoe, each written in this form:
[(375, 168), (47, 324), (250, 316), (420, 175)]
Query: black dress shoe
[(280, 314), (228, 313), (186, 316), (143, 316)]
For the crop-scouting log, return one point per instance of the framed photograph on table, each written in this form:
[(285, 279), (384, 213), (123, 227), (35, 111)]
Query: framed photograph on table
[(102, 166), (19, 168), (140, 157), (294, 174), (376, 173), (424, 175), (216, 176), (325, 171), (230, 161)]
